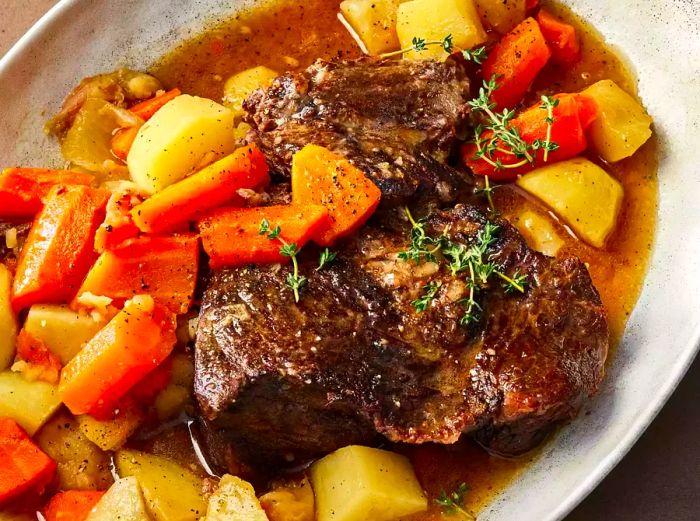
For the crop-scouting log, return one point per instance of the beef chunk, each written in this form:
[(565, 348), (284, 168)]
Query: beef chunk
[(354, 359)]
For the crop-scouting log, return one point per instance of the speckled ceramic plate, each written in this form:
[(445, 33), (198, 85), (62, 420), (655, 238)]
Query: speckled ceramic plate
[(661, 39)]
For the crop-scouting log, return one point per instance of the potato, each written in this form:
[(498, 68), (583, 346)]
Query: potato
[(622, 125), (374, 21), (581, 193), (234, 500), (539, 233), (501, 15), (112, 433), (8, 322), (239, 86), (30, 404), (123, 502), (436, 19), (81, 465), (170, 145), (172, 492), (293, 502), (363, 484), (62, 330), (171, 401)]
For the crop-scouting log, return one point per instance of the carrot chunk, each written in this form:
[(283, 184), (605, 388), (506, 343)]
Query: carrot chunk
[(231, 236), (147, 108), (118, 225), (323, 178), (59, 249), (122, 141), (209, 188), (561, 38), (72, 505), (23, 466), (22, 190), (515, 62), (163, 267), (128, 348), (39, 362)]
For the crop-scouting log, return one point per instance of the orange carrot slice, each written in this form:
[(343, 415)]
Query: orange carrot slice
[(72, 505)]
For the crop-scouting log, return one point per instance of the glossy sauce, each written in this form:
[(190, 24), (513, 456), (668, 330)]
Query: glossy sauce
[(289, 35)]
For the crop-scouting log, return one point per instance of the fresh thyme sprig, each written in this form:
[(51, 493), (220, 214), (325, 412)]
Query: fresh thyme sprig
[(326, 258), (423, 247), (294, 281), (477, 55), (454, 503), (431, 289), (488, 190), (548, 104)]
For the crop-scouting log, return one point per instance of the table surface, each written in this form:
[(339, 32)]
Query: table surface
[(659, 479)]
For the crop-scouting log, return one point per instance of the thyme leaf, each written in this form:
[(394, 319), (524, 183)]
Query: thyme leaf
[(294, 280), (453, 503), (477, 55), (326, 258), (431, 290)]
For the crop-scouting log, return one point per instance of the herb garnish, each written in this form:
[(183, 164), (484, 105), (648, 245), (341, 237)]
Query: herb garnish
[(488, 190), (421, 44), (431, 289), (294, 281), (327, 257), (454, 503)]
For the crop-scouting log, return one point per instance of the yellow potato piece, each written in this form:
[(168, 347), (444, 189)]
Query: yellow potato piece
[(622, 125), (291, 502), (239, 86), (364, 484), (539, 233), (30, 404), (501, 15), (436, 19), (112, 433), (123, 502), (581, 193), (177, 139), (234, 500), (172, 492), (8, 322), (63, 331), (374, 21)]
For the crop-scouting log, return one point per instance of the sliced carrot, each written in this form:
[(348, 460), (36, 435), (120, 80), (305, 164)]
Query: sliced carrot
[(515, 61), (147, 389), (561, 38), (22, 190), (118, 225), (122, 141), (23, 466), (59, 249), (42, 364), (321, 177), (587, 110), (128, 348), (146, 109), (231, 236), (72, 505), (163, 267), (207, 189)]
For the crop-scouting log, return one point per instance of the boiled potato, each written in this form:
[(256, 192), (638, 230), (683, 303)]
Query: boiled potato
[(63, 331), (363, 484), (123, 502), (374, 21), (239, 86), (581, 193), (539, 233), (170, 145), (234, 500), (171, 401), (293, 502), (8, 322), (111, 433), (436, 19), (172, 492), (30, 404), (622, 125), (501, 15)]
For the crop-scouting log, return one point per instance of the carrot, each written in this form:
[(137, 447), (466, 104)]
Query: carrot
[(23, 466), (41, 364), (515, 61), (561, 38), (321, 177), (231, 236), (22, 190), (209, 188), (72, 505), (127, 349), (118, 225), (572, 116), (163, 267), (59, 249), (146, 391), (122, 141), (147, 108)]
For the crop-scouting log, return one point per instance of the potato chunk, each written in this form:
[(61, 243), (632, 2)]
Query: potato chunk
[(290, 502), (63, 331), (28, 403), (539, 233), (436, 19), (182, 135), (501, 15), (622, 125), (172, 492), (374, 21), (234, 500), (8, 322), (581, 193), (123, 502), (364, 484), (111, 433), (239, 86)]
